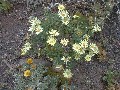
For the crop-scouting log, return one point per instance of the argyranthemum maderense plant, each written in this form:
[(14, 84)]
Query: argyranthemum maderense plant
[(62, 37)]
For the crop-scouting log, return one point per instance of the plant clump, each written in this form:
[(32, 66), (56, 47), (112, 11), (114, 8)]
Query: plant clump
[(62, 38)]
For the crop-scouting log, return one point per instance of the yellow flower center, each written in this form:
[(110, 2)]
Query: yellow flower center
[(29, 61)]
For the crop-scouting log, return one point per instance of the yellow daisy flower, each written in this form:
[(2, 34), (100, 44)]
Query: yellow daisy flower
[(63, 14), (88, 57), (29, 61), (23, 51), (96, 28), (38, 30), (77, 56), (86, 37), (54, 32), (35, 25), (27, 73), (94, 48), (67, 73), (35, 21), (66, 59), (84, 44), (25, 48), (66, 20), (61, 7), (64, 41), (77, 48), (51, 41)]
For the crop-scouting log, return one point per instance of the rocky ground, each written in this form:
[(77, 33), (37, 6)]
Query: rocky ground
[(87, 75)]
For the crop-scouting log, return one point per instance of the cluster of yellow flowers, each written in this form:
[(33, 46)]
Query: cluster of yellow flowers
[(35, 26), (63, 14), (80, 48), (51, 39), (25, 48), (28, 72), (93, 50)]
